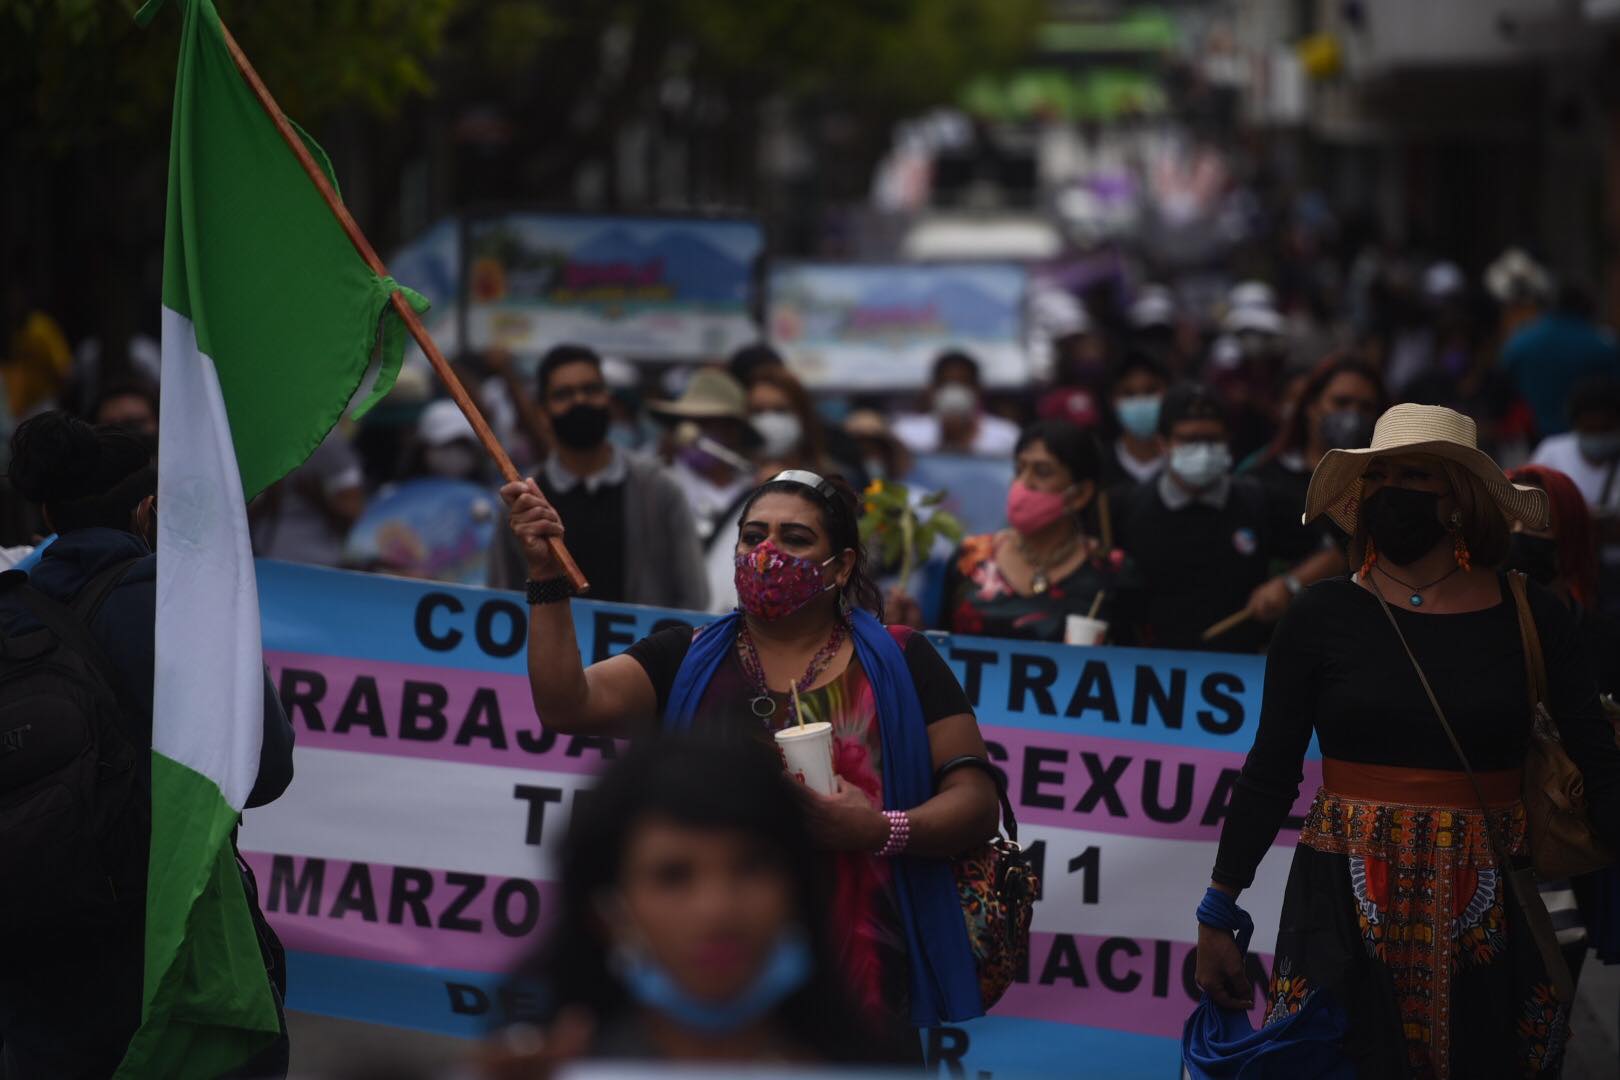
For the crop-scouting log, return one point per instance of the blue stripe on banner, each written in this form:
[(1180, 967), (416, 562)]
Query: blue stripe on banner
[(1208, 701), (440, 1000), (375, 617), (468, 1004), (1014, 1049)]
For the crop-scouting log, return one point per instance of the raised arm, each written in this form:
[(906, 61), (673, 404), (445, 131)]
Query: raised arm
[(613, 697)]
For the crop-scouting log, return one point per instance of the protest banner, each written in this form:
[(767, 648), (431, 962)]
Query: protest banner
[(655, 288), (410, 864), (870, 327), (429, 527)]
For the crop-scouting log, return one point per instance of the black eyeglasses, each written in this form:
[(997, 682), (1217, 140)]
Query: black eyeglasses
[(567, 395)]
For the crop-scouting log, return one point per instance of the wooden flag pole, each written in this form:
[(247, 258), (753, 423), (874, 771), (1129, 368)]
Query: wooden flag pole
[(440, 365)]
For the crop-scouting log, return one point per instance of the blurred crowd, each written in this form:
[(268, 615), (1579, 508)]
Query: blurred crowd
[(1148, 494)]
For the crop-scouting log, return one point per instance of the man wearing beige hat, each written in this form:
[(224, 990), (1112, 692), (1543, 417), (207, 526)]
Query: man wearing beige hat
[(709, 440)]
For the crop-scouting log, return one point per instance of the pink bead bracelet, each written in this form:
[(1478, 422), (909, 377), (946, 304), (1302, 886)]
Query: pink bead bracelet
[(899, 833)]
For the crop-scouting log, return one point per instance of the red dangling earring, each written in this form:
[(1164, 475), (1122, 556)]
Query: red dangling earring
[(1369, 559), (1459, 546)]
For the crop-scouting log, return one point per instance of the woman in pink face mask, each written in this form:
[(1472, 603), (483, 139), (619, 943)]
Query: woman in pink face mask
[(1026, 580), (807, 642)]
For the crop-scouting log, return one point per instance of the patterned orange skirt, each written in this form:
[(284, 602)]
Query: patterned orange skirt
[(1401, 914)]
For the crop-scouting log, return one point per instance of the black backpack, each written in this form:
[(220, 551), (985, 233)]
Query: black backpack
[(73, 833)]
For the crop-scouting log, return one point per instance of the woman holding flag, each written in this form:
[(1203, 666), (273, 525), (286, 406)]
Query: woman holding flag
[(807, 646)]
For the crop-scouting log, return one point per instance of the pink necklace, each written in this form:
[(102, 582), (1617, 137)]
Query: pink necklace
[(762, 704)]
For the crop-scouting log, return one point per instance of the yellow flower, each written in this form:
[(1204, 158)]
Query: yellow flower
[(874, 488)]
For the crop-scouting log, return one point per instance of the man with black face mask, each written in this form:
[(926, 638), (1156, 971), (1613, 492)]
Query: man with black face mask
[(628, 526)]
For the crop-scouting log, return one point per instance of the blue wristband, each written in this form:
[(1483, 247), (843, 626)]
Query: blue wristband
[(1219, 911)]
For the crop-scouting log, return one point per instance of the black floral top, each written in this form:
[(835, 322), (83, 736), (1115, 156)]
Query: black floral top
[(980, 600)]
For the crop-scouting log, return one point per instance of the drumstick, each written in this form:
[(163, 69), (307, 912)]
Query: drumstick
[(1237, 618)]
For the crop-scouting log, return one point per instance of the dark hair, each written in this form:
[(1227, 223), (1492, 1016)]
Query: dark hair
[(1293, 435), (840, 511), (1189, 401), (560, 355), (131, 387), (1072, 446), (83, 476), (1574, 534), (1138, 360), (751, 361), (955, 358), (1596, 393), (734, 786), (1573, 298), (814, 439)]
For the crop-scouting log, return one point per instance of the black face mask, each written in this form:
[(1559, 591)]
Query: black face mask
[(1344, 430), (581, 427), (1403, 524), (1535, 555)]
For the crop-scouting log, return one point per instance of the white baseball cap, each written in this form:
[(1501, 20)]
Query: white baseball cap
[(442, 422)]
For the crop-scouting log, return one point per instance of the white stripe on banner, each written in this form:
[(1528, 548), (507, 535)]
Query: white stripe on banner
[(482, 819), (472, 818)]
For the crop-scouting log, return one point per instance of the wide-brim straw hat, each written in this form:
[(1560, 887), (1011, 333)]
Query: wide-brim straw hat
[(711, 394), (1417, 429)]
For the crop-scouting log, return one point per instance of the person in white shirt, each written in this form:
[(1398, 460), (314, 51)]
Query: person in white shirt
[(957, 423), (1590, 456)]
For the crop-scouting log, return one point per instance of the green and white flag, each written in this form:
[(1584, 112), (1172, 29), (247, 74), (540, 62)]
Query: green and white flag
[(270, 322)]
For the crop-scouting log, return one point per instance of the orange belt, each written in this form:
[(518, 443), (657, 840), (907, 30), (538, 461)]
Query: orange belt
[(1419, 787)]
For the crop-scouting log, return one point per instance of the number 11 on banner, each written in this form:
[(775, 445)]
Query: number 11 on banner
[(1088, 862)]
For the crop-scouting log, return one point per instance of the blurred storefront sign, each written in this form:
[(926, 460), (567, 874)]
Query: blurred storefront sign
[(645, 288), (868, 327)]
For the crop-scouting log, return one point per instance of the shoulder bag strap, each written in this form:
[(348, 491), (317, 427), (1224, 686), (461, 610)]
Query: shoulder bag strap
[(1535, 664), (1520, 881), (1009, 823)]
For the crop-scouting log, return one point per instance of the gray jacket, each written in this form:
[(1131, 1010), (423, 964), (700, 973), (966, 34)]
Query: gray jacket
[(663, 561)]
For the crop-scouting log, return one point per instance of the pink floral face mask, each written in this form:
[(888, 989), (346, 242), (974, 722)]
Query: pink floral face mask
[(771, 584)]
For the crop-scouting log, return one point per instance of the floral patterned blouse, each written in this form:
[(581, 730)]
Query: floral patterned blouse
[(980, 600)]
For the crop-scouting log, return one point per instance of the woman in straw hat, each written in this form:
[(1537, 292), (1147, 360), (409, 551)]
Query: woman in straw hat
[(1401, 945)]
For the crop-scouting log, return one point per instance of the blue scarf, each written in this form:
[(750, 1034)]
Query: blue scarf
[(944, 980)]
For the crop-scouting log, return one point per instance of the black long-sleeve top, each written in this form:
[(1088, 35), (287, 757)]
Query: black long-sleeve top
[(1337, 668)]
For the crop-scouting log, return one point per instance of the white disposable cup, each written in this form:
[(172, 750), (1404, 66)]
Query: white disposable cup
[(1084, 630), (807, 753)]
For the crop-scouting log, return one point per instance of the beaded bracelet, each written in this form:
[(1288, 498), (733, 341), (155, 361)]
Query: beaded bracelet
[(899, 833)]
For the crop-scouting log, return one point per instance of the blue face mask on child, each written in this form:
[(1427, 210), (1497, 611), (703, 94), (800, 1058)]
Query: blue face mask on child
[(786, 970)]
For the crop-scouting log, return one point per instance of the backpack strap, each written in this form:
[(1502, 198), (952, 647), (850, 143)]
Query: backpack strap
[(87, 604), (71, 625)]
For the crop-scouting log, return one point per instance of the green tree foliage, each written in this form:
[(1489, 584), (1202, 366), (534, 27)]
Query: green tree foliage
[(79, 72)]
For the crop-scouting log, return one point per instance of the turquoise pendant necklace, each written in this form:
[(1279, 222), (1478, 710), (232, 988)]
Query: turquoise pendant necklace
[(1417, 591)]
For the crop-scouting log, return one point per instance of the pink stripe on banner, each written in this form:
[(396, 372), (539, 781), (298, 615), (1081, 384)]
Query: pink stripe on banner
[(1123, 984), (1121, 786), (444, 714), (401, 914)]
